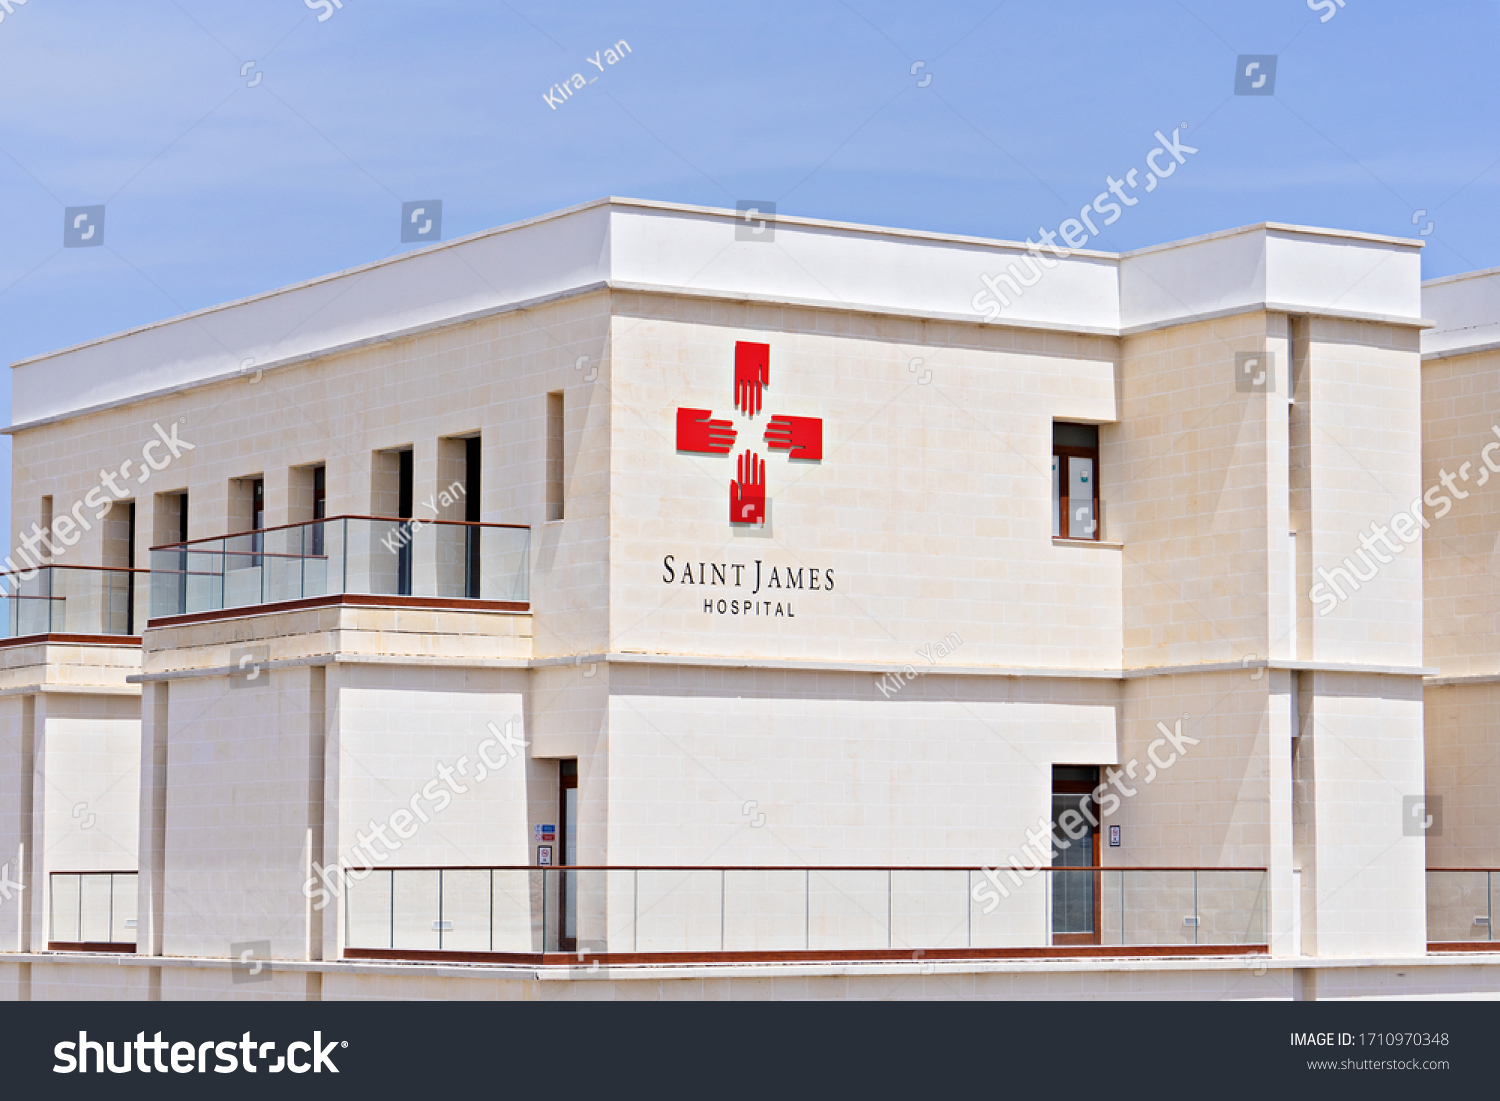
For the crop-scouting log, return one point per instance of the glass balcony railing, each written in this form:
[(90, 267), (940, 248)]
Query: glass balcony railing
[(74, 600), (94, 908), (1461, 905), (713, 910), (343, 554)]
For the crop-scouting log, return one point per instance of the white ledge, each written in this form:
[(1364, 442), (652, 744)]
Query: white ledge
[(1354, 667), (1462, 350), (1399, 320), (1437, 680), (799, 665), (50, 689), (915, 966), (784, 665), (339, 658), (1274, 665)]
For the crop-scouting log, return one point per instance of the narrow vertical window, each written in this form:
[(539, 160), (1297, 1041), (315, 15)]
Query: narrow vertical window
[(182, 555), (405, 494), (473, 469), (555, 455), (130, 577), (257, 519), (567, 838), (1075, 480), (319, 507)]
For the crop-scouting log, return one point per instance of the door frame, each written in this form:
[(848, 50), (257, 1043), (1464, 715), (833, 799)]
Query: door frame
[(565, 782), (1076, 787)]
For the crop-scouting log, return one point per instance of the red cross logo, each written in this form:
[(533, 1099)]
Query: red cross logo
[(799, 437)]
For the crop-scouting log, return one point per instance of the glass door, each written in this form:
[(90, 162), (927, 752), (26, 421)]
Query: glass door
[(1075, 844), (567, 840)]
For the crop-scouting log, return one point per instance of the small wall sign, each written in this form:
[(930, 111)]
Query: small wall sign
[(1114, 837), (544, 856)]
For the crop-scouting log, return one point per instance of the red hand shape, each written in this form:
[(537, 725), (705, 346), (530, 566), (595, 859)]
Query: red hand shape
[(697, 432), (747, 494), (800, 437), (752, 370)]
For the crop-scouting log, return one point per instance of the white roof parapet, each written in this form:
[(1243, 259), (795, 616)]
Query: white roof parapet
[(1292, 269), (1466, 312), (678, 249)]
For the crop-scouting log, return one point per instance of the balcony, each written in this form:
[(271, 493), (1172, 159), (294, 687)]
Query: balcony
[(92, 912), (70, 600), (431, 562), (682, 914)]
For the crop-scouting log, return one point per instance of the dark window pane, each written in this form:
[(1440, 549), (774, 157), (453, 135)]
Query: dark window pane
[(1065, 434)]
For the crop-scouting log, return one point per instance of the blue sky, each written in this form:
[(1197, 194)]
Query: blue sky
[(215, 189)]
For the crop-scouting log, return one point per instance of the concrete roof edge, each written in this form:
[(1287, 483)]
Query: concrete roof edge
[(276, 292), (1286, 228), (1443, 280)]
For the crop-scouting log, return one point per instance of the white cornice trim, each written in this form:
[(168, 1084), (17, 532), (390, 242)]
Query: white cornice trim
[(1353, 667), (1398, 320), (799, 665), (1440, 681), (731, 216), (657, 971), (1464, 350), (49, 689), (1284, 228), (787, 665), (321, 353), (1279, 666), (358, 269), (339, 658), (862, 308)]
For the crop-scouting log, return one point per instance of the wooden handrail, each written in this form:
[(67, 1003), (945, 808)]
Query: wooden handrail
[(60, 566), (1463, 869), (770, 868)]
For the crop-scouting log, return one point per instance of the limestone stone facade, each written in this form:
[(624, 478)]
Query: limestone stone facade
[(889, 673)]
